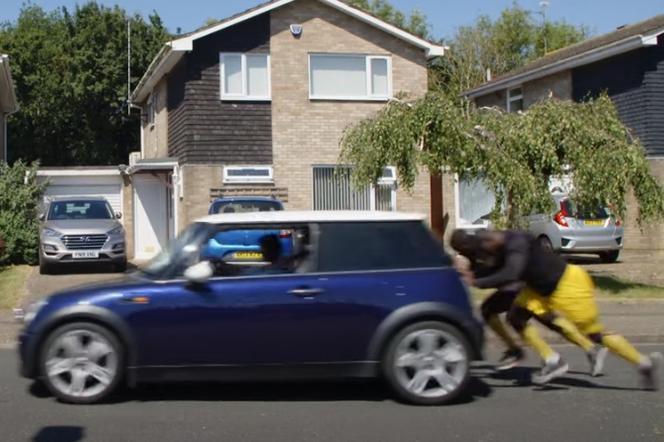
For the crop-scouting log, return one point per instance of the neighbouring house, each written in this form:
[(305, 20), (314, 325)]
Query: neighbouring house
[(8, 103), (256, 104), (628, 64)]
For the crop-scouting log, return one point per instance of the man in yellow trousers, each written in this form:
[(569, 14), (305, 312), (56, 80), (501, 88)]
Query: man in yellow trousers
[(557, 293)]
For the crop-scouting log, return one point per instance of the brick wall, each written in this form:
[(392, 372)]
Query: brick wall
[(560, 85), (128, 214), (197, 180), (649, 236), (305, 132), (155, 136)]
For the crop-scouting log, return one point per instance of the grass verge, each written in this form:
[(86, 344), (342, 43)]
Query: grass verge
[(12, 285), (608, 287)]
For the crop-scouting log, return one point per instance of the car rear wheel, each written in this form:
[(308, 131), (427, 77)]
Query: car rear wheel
[(609, 256), (81, 363), (427, 363), (545, 243)]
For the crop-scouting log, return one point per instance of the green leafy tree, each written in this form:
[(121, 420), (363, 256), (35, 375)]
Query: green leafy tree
[(516, 154), (516, 37), (70, 71), (20, 194), (415, 22)]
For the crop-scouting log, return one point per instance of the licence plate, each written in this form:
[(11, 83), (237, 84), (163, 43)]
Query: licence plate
[(248, 255), (85, 254), (593, 222)]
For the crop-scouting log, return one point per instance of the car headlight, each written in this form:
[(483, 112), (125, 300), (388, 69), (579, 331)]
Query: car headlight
[(51, 233), (117, 231), (32, 310)]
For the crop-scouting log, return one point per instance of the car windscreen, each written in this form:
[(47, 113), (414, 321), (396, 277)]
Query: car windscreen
[(80, 209), (246, 206), (181, 252), (575, 211)]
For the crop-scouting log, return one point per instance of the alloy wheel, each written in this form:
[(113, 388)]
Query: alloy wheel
[(430, 363), (81, 363)]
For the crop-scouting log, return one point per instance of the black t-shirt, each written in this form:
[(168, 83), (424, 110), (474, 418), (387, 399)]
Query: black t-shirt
[(524, 259)]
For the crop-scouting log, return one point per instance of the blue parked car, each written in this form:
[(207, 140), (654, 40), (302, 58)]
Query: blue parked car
[(241, 246), (394, 308)]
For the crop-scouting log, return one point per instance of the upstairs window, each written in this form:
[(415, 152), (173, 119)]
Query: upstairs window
[(245, 76), (248, 174), (151, 110), (515, 100), (349, 77)]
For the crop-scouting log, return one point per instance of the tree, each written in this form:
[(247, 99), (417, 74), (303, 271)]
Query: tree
[(19, 227), (70, 71), (415, 22), (516, 154), (516, 37)]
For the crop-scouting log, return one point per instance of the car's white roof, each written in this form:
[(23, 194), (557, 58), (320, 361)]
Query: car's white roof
[(285, 216)]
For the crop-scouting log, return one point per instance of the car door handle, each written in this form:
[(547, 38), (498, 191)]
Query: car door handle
[(305, 292)]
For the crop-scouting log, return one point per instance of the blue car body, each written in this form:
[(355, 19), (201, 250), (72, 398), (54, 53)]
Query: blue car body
[(241, 245), (258, 326)]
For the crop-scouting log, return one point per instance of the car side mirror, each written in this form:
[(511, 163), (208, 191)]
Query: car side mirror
[(118, 215), (199, 273), (42, 217)]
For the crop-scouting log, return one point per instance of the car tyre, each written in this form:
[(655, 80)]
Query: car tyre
[(545, 243), (120, 267), (427, 363), (609, 256), (44, 267), (81, 363)]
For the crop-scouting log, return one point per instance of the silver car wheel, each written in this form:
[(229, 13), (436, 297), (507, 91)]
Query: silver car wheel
[(430, 363), (81, 363)]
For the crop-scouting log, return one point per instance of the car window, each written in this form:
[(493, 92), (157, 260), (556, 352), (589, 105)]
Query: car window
[(80, 209), (583, 212), (247, 206), (378, 246), (257, 250)]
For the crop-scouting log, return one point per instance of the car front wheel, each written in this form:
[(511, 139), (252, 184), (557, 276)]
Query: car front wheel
[(427, 363), (81, 363)]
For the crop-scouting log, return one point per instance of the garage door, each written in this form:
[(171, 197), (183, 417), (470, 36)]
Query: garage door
[(108, 187)]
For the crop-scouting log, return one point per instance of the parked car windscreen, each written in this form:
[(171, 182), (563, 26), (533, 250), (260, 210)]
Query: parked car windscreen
[(583, 212), (247, 206), (378, 246), (80, 209)]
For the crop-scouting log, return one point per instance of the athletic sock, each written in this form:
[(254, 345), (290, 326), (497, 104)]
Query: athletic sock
[(498, 327), (532, 338), (620, 346), (572, 334)]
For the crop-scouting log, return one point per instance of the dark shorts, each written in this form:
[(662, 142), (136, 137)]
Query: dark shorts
[(499, 302)]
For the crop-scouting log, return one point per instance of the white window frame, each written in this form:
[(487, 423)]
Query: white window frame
[(151, 110), (512, 98), (457, 209), (372, 188), (243, 96), (228, 179), (368, 74)]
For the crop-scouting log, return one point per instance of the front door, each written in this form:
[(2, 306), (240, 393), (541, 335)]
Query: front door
[(151, 218)]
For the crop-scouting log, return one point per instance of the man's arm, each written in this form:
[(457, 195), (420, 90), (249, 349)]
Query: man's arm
[(515, 262)]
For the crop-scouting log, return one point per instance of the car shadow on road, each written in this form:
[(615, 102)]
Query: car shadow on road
[(355, 390)]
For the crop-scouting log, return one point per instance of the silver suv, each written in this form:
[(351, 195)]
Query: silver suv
[(81, 229), (575, 230)]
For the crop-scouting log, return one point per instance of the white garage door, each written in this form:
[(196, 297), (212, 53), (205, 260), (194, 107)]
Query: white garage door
[(109, 187)]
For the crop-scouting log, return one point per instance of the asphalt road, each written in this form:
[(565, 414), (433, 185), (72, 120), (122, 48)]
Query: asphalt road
[(576, 408)]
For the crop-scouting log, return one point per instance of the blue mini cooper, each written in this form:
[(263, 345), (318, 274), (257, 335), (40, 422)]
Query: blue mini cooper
[(361, 295)]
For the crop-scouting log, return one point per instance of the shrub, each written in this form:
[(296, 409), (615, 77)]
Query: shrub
[(19, 201)]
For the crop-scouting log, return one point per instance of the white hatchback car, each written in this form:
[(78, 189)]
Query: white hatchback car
[(575, 230)]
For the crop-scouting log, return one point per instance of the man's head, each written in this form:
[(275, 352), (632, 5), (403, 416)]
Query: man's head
[(464, 243), (270, 248)]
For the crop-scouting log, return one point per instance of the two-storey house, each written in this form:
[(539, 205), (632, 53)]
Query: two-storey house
[(257, 104), (8, 104), (628, 64)]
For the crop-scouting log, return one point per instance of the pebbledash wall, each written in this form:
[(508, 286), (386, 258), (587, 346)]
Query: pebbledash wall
[(205, 133)]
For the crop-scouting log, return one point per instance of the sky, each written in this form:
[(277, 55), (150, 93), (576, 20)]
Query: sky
[(444, 16)]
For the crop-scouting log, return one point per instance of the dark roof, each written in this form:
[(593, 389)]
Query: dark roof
[(641, 28), (261, 5)]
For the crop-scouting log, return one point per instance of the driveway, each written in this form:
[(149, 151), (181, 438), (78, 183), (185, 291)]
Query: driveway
[(642, 266)]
